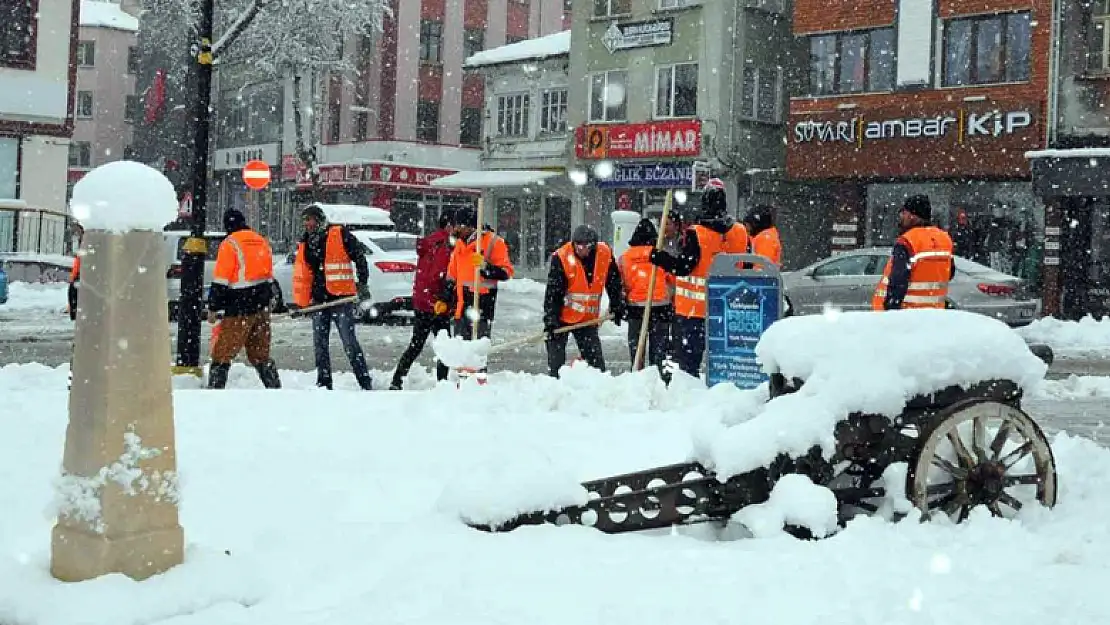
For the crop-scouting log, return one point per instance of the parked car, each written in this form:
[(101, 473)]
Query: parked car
[(31, 267), (174, 247), (391, 257), (846, 281)]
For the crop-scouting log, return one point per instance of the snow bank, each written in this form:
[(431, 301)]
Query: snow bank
[(863, 362), (36, 296), (522, 286), (493, 495), (794, 500), (457, 352), (1086, 337), (1074, 387), (124, 195)]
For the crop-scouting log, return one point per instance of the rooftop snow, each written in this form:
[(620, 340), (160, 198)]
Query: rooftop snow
[(494, 178), (1069, 153), (103, 14), (536, 49)]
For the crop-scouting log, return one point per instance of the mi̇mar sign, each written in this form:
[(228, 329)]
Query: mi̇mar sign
[(918, 140), (675, 138)]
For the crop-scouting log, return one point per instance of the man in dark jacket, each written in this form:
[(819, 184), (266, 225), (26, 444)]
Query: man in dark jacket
[(915, 217), (432, 314), (583, 250), (315, 242)]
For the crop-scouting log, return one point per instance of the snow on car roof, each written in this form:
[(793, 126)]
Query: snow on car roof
[(354, 215)]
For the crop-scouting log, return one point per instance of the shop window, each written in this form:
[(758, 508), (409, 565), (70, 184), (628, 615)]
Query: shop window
[(9, 167), (553, 114), (132, 60), (852, 62), (676, 90), (84, 104), (470, 128), (557, 224), (431, 41), (80, 154), (474, 41), (609, 8), (760, 98), (512, 115), (987, 50), (18, 35), (508, 225), (131, 108), (1098, 37), (86, 53), (608, 102), (427, 121)]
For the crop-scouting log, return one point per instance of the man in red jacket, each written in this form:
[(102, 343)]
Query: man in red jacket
[(432, 314)]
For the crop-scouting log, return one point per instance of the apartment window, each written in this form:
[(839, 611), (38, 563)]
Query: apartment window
[(85, 104), (470, 127), (760, 98), (86, 53), (553, 112), (361, 123), (335, 122), (986, 50), (676, 90), (18, 34), (1098, 37), (474, 41), (9, 167), (132, 60), (80, 154), (427, 121), (608, 8), (512, 115), (431, 41), (131, 108), (771, 6), (676, 4), (852, 62), (607, 97)]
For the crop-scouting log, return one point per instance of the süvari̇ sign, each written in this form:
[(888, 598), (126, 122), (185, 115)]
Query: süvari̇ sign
[(962, 125)]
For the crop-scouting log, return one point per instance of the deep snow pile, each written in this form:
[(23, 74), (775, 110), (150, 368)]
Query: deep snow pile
[(861, 362), (305, 506), (1086, 337)]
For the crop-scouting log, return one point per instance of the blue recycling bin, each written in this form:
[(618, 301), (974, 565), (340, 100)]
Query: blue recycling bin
[(742, 304)]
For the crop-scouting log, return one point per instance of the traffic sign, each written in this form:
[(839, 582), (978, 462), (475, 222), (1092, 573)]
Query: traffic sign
[(256, 174)]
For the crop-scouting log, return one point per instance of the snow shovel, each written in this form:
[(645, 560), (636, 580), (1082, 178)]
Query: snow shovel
[(307, 310), (539, 336)]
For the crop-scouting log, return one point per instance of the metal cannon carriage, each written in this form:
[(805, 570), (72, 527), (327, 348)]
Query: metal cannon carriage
[(962, 447)]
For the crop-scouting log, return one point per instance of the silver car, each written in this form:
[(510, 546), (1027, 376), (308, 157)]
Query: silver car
[(847, 280)]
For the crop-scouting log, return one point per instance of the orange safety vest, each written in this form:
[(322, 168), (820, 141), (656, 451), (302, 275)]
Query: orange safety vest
[(75, 272), (461, 267), (691, 291), (339, 271), (930, 269), (244, 260), (583, 299), (767, 243), (635, 268)]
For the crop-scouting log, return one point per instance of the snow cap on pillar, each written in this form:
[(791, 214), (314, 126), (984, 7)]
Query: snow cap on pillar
[(122, 196)]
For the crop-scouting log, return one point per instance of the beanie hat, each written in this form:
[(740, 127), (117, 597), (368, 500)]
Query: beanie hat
[(760, 218), (584, 234), (314, 210), (466, 216), (919, 205), (713, 204), (234, 220), (644, 234)]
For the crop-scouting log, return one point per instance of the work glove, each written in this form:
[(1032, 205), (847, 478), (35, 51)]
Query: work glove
[(493, 272), (363, 292), (476, 259), (659, 258), (439, 308)]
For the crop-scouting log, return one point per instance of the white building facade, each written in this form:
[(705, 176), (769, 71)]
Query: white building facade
[(38, 40)]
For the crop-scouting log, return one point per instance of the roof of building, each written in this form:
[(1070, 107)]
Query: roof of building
[(107, 14), (536, 49)]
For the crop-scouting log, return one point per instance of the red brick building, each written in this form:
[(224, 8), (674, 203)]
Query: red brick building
[(942, 97)]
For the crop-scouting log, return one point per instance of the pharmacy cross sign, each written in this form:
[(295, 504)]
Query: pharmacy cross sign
[(256, 175)]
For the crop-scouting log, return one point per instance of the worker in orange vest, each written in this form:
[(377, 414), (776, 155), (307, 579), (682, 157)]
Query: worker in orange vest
[(920, 265), (463, 275), (713, 232), (635, 270), (242, 290), (580, 271), (74, 284), (760, 223), (331, 265)]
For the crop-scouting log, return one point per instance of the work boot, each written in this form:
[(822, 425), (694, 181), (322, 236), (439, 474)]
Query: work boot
[(217, 375), (268, 373), (396, 385)]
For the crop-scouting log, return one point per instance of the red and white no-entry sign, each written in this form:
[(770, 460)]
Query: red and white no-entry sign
[(256, 175)]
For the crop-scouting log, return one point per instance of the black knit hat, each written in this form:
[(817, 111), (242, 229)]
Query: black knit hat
[(466, 216), (314, 210), (760, 218), (644, 234), (713, 204), (234, 220), (919, 205)]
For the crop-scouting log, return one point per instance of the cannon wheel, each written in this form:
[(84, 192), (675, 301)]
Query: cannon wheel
[(981, 452)]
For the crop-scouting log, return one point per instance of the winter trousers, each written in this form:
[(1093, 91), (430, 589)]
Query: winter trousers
[(589, 346), (425, 324), (252, 332), (344, 319), (659, 333), (689, 343)]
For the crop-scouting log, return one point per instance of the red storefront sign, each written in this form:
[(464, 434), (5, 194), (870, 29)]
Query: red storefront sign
[(677, 138), (368, 174), (290, 166)]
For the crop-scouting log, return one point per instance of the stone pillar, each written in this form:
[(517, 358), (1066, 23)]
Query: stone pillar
[(117, 497)]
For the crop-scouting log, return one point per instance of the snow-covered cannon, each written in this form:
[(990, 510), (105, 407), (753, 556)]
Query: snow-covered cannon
[(884, 416)]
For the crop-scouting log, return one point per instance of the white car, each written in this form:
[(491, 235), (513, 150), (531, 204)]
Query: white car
[(391, 257), (174, 243)]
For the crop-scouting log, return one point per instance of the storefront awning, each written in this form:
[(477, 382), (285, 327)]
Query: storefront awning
[(494, 178)]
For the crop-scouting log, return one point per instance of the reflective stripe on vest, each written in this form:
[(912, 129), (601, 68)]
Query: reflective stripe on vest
[(929, 270), (240, 281)]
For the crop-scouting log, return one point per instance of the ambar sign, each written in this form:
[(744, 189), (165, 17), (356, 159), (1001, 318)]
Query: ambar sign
[(919, 140)]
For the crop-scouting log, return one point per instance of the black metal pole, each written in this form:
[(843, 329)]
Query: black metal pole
[(195, 248)]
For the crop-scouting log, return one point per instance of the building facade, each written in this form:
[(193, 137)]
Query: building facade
[(1072, 176), (941, 97), (38, 40), (106, 106), (666, 91)]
